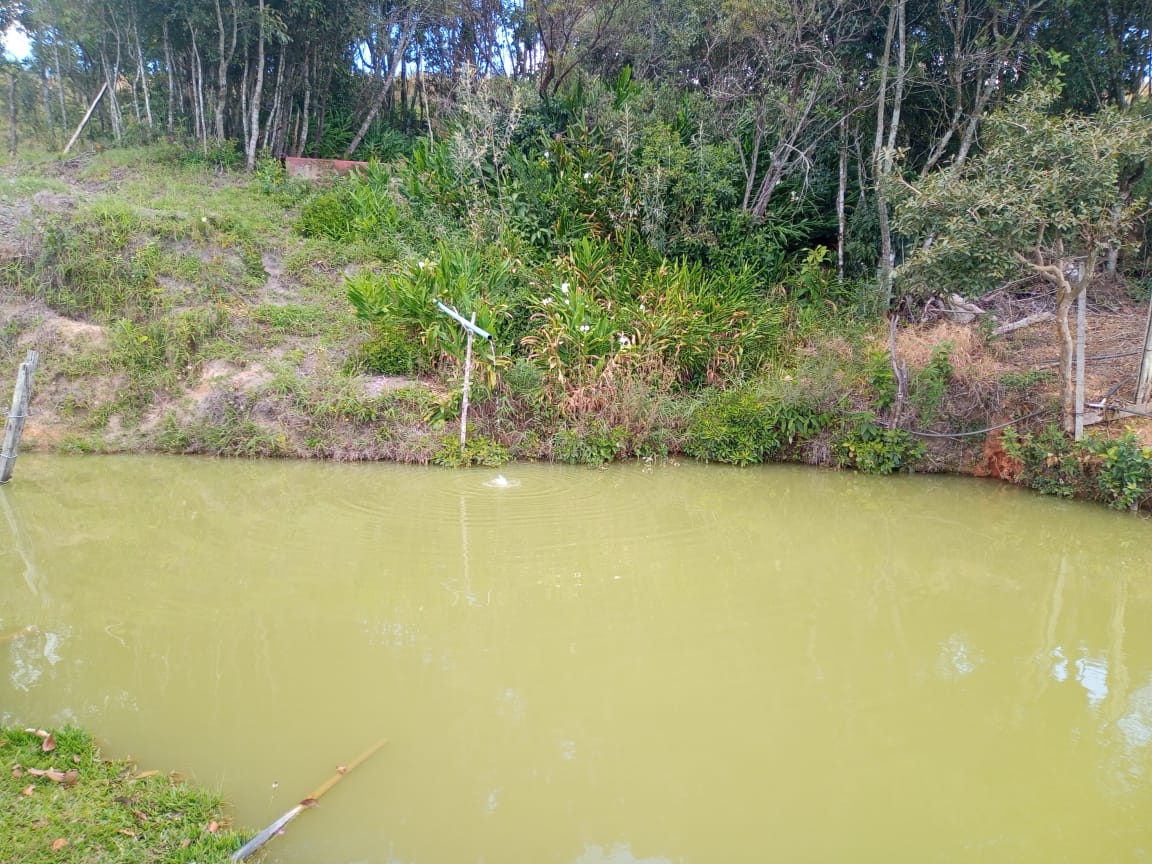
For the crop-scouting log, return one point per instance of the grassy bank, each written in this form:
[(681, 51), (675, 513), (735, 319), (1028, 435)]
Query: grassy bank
[(184, 309), (62, 802)]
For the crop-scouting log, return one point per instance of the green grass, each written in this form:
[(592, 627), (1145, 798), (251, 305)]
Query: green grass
[(28, 185), (111, 813)]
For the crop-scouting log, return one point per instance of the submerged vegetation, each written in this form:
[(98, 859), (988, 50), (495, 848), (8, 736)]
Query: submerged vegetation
[(64, 803)]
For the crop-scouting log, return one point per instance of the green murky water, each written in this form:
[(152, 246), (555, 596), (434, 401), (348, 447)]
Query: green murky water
[(670, 664)]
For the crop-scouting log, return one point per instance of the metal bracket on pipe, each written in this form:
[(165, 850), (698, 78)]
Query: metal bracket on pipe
[(463, 322)]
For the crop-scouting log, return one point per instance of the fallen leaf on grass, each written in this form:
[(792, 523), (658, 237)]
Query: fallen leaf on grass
[(213, 827), (75, 760), (126, 832), (17, 772), (144, 774), (58, 844), (48, 744), (185, 843), (40, 823), (28, 790), (67, 778)]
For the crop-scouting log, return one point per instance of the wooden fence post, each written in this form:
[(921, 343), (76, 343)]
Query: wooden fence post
[(467, 392), (21, 399), (1144, 380)]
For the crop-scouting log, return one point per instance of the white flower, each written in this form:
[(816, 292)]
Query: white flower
[(624, 341), (563, 287), (546, 301), (204, 219), (641, 307), (584, 328), (587, 175), (422, 265)]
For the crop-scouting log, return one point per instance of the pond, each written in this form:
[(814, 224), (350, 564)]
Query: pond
[(665, 663)]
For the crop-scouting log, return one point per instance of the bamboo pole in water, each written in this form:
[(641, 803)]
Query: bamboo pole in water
[(257, 842), (21, 398)]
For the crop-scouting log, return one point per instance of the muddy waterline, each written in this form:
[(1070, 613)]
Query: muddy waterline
[(661, 664)]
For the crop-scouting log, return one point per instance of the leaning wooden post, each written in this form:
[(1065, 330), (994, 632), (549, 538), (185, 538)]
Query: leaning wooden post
[(21, 398), (1144, 380), (467, 385), (87, 116)]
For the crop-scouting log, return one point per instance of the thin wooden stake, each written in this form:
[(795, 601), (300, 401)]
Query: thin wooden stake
[(268, 833), (467, 387), (1081, 324), (87, 116), (21, 398)]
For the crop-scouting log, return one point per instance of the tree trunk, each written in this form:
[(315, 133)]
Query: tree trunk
[(1066, 292), (424, 95), (302, 138), (884, 265), (272, 125), (14, 140), (59, 79), (244, 101), (378, 103), (784, 153), (136, 99), (841, 193), (1112, 258), (226, 55), (257, 95), (171, 78), (898, 87), (1064, 334), (111, 75), (404, 95), (46, 98), (142, 74), (196, 71), (883, 156)]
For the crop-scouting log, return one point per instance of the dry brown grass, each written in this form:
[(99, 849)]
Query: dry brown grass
[(974, 391)]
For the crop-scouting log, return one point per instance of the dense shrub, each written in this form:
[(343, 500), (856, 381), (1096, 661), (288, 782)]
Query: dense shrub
[(477, 450), (1117, 471), (865, 445), (328, 214), (734, 426)]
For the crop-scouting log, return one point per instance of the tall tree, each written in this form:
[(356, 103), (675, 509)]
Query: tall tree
[(1044, 196)]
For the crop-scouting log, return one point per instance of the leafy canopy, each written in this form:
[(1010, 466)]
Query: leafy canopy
[(1045, 189)]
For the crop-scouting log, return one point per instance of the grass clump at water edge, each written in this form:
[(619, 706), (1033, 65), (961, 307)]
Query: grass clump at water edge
[(67, 804)]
